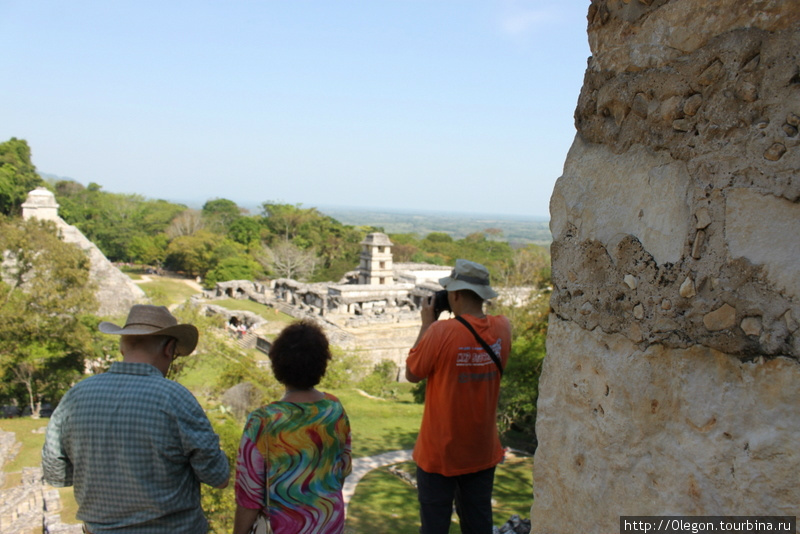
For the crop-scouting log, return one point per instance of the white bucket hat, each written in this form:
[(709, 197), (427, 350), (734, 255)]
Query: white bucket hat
[(469, 275), (147, 320)]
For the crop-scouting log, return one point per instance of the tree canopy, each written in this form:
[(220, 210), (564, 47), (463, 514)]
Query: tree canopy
[(47, 302), (124, 227), (222, 240), (221, 213), (18, 176)]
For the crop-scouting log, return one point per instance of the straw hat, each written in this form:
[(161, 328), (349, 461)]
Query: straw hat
[(469, 275), (147, 320)]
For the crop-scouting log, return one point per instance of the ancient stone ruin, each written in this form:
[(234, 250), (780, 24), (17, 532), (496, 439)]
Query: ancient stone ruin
[(372, 311), (116, 292), (31, 506), (671, 381), (375, 266)]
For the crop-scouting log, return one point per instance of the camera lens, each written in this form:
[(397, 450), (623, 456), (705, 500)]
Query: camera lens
[(440, 303)]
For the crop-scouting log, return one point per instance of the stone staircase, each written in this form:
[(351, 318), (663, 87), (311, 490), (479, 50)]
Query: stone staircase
[(32, 506), (247, 341)]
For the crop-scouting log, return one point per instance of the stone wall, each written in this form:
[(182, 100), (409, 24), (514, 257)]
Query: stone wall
[(670, 385), (30, 506)]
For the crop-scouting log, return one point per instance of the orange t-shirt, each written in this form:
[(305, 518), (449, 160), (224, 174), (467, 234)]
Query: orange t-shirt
[(459, 427)]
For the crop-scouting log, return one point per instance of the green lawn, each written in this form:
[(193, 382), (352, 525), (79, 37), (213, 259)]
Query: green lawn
[(27, 431), (383, 502), (30, 455), (134, 272), (200, 373), (513, 488), (167, 291), (378, 425), (268, 313)]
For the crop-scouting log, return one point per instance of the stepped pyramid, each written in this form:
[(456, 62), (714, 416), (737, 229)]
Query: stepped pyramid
[(116, 292)]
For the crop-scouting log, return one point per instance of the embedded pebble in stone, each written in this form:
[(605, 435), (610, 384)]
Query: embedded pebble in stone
[(775, 152), (722, 318), (681, 125), (751, 326), (671, 108), (687, 290), (791, 324), (640, 105), (698, 244), (711, 74), (703, 218), (692, 104), (630, 281)]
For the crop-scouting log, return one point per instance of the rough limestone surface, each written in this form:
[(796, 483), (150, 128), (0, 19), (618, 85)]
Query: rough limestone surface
[(116, 292), (662, 432), (670, 385)]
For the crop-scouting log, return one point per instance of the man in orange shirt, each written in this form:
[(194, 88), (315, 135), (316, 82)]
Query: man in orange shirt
[(458, 446)]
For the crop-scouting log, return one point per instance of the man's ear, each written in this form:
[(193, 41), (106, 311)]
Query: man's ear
[(170, 347)]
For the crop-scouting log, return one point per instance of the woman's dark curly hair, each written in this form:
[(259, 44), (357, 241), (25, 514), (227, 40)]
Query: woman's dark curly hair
[(300, 355)]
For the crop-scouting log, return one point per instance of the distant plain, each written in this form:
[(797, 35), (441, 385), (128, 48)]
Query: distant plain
[(518, 230)]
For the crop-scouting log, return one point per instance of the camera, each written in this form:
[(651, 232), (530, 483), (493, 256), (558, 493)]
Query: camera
[(440, 303)]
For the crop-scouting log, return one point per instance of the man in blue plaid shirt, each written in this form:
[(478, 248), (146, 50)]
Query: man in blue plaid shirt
[(135, 445)]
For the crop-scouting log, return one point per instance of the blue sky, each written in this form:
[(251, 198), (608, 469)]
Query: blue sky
[(461, 106)]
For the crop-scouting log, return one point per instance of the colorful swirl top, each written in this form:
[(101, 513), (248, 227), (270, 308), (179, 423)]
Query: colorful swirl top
[(301, 452)]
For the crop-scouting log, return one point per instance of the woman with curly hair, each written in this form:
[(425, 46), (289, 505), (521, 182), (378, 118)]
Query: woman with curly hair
[(295, 453)]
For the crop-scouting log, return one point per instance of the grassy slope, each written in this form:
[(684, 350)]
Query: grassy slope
[(385, 503), (167, 291), (380, 426), (30, 454), (270, 314), (382, 501)]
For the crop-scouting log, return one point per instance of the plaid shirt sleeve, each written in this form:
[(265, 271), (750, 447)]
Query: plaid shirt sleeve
[(56, 466), (200, 443)]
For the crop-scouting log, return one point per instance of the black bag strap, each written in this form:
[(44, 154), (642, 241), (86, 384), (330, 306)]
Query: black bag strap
[(485, 345)]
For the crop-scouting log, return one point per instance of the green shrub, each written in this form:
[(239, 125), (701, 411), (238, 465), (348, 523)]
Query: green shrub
[(382, 381), (233, 268), (516, 412), (344, 370), (219, 505), (418, 391)]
